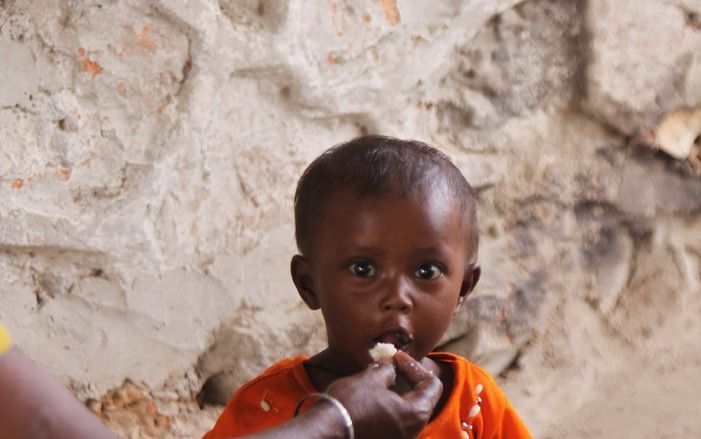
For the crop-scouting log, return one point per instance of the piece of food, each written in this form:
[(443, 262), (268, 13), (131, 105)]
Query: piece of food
[(382, 350)]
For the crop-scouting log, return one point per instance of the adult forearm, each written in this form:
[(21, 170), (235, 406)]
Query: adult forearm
[(320, 421), (35, 405)]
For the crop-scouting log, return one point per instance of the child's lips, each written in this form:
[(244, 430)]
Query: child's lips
[(399, 338)]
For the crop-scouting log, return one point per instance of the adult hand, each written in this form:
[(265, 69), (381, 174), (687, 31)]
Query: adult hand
[(377, 411)]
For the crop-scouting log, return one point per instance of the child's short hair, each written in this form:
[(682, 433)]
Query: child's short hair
[(378, 165)]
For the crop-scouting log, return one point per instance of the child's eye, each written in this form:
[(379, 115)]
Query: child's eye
[(362, 269), (428, 271)]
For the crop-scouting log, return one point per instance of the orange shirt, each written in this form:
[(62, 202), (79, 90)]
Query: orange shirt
[(271, 398)]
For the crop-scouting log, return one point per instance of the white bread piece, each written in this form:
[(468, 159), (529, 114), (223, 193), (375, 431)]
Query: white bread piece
[(382, 350)]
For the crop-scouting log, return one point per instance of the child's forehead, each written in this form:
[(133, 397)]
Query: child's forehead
[(381, 198), (427, 221), (422, 200)]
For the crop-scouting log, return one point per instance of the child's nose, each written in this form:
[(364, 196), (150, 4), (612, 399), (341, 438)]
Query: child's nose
[(397, 297)]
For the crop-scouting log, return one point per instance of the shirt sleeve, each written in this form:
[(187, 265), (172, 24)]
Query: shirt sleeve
[(512, 427), (501, 421)]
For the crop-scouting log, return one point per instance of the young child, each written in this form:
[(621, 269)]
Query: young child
[(387, 235)]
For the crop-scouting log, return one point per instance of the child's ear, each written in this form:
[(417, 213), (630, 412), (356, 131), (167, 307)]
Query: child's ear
[(472, 276), (304, 281)]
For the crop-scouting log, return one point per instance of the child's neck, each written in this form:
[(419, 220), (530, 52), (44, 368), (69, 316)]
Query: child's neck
[(323, 369)]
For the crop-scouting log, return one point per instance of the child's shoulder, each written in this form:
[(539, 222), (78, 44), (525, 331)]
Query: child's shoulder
[(288, 370), (265, 401), (461, 363), (468, 376), (283, 366)]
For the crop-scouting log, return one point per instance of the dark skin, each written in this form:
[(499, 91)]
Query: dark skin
[(386, 268), (380, 413), (35, 405), (376, 411)]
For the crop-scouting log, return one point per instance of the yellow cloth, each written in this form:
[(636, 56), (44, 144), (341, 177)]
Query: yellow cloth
[(5, 340)]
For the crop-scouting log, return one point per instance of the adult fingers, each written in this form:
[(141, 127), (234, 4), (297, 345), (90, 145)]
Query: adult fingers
[(412, 370), (382, 372), (427, 387)]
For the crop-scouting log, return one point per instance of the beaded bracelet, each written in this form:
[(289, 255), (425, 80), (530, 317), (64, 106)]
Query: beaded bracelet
[(347, 421), (5, 340)]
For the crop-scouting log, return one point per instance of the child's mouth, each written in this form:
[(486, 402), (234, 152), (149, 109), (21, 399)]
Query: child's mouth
[(399, 338)]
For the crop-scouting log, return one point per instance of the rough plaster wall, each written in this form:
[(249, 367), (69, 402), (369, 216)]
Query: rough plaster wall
[(149, 151)]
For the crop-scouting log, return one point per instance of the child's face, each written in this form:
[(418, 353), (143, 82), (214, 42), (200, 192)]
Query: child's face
[(386, 269)]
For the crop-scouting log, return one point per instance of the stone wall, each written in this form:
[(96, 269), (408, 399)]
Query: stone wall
[(149, 151)]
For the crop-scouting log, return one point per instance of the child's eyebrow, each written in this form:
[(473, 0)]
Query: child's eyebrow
[(363, 250), (437, 250)]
